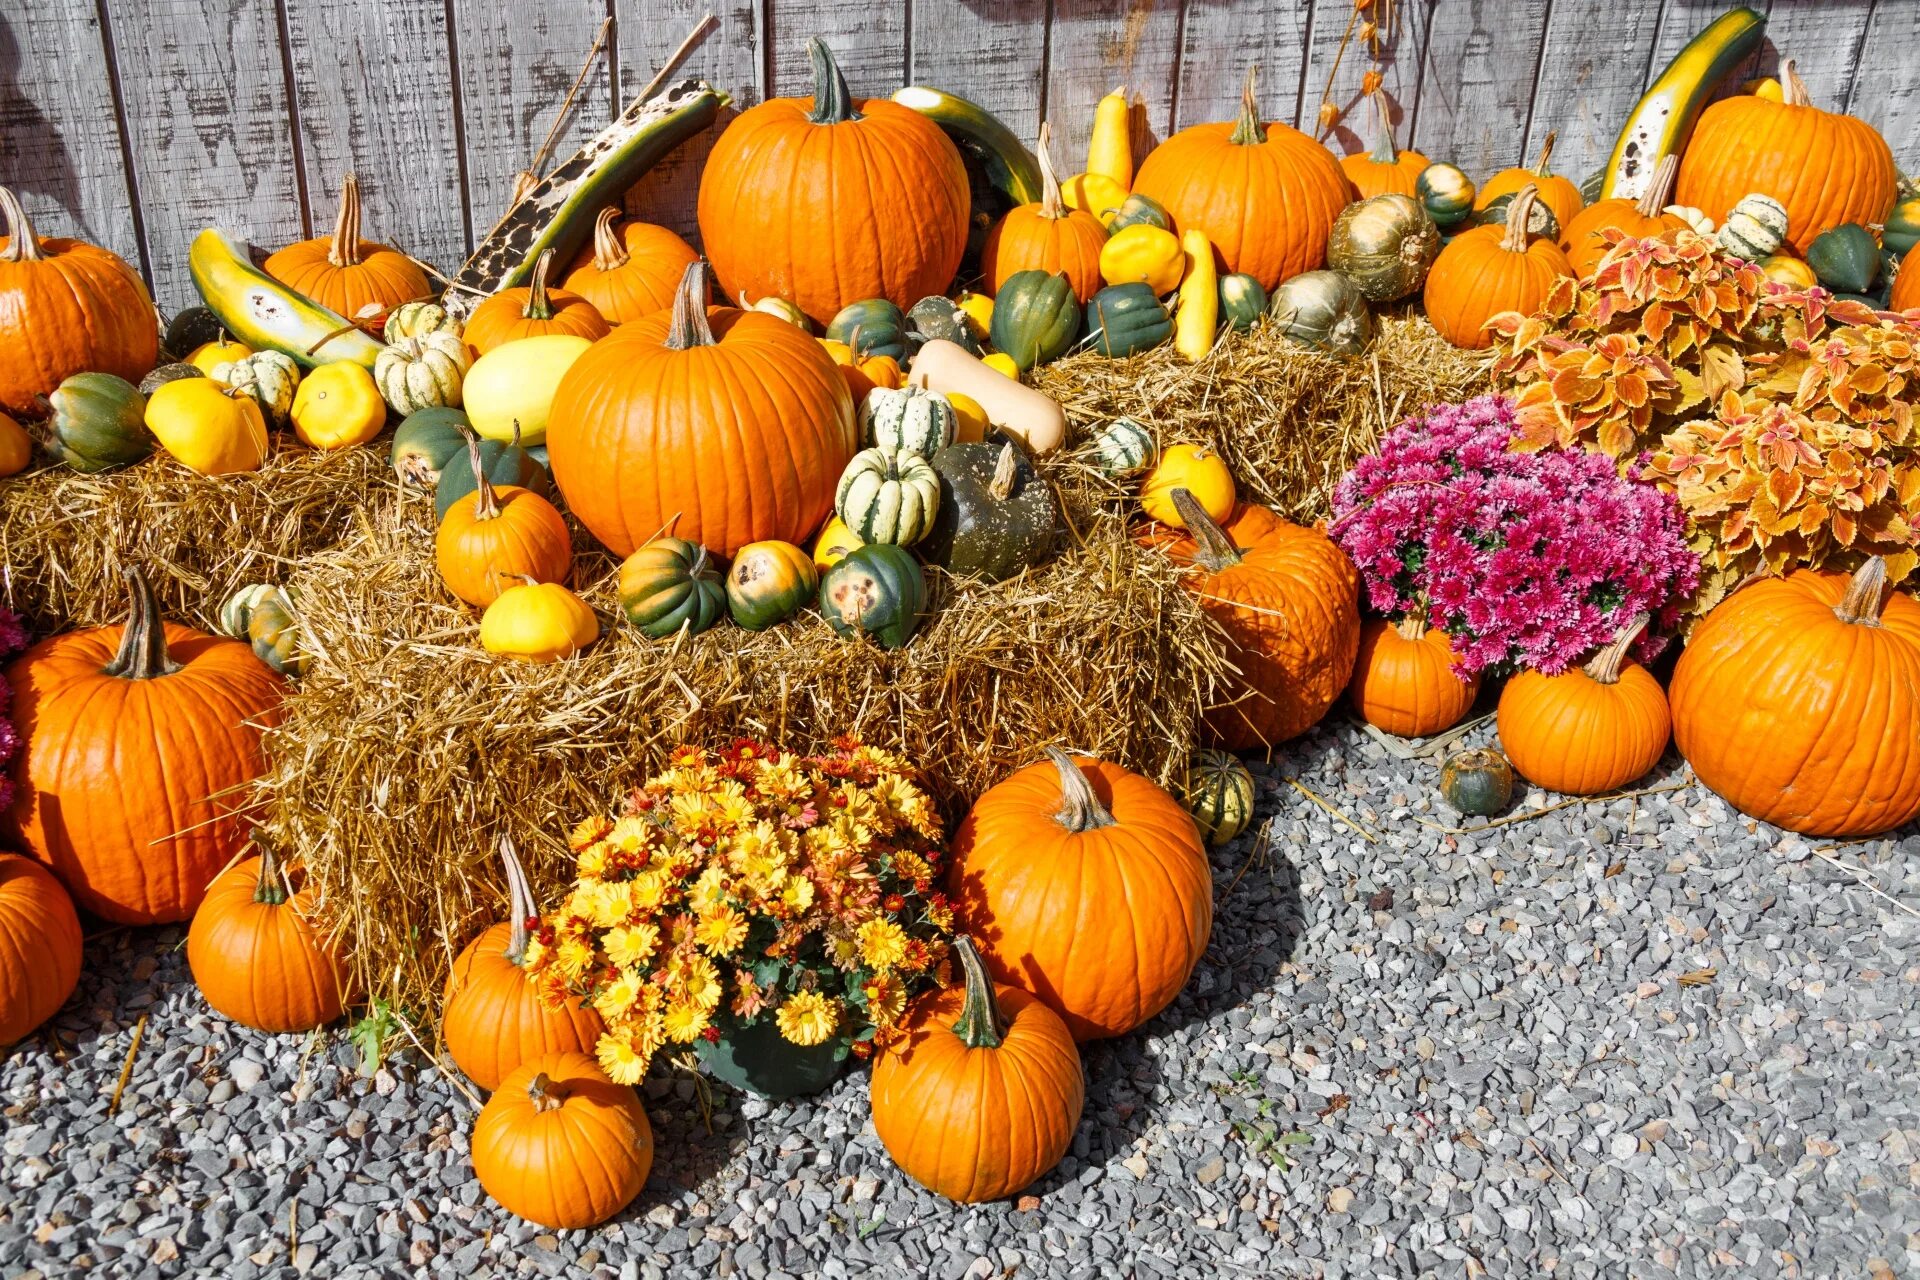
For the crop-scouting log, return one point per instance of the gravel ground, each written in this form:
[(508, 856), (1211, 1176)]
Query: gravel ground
[(1641, 1037)]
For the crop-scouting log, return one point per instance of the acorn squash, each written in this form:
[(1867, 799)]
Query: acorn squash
[(503, 463), (98, 423), (1845, 258), (877, 591), (668, 584), (1126, 319), (1242, 301), (880, 327), (425, 442), (996, 515), (769, 582), (1036, 317)]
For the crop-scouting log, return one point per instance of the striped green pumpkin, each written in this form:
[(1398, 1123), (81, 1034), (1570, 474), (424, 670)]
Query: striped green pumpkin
[(1219, 795), (888, 496)]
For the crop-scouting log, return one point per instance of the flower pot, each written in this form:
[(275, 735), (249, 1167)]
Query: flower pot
[(759, 1059)]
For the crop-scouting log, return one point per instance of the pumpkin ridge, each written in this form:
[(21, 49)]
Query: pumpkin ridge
[(1124, 871)]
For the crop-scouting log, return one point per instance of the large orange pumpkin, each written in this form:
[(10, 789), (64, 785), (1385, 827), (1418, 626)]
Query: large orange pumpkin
[(1288, 601), (1488, 270), (725, 426), (1826, 168), (1797, 700), (983, 1094), (39, 947), (1906, 283), (827, 200), (1558, 194), (346, 273), (1403, 681), (1580, 236), (1590, 729), (493, 1019), (1047, 236), (560, 1144), (1088, 886), (140, 744), (531, 312), (1265, 194), (630, 271), (66, 307), (1385, 170), (258, 953)]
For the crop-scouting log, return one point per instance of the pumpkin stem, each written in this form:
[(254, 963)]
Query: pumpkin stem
[(1413, 626), (544, 1093), (1546, 154), (22, 244), (1052, 204), (1385, 150), (981, 1025), (538, 306), (1080, 809), (1793, 90), (1518, 214), (1866, 595), (832, 103), (344, 251), (271, 888), (1660, 193), (1004, 472), (143, 645), (1212, 547), (1249, 131), (609, 248), (1604, 666), (690, 327), (486, 503), (520, 904)]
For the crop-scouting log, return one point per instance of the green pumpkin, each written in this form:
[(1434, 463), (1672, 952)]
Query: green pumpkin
[(426, 441), (877, 591), (1036, 317), (417, 320), (192, 329), (1446, 193), (98, 423), (1123, 447), (1219, 795), (1126, 319), (166, 373), (768, 583), (237, 609), (1385, 245), (504, 464), (1243, 300), (1755, 228), (1323, 310), (888, 495), (910, 418), (1845, 258), (996, 514), (269, 377), (1902, 229), (668, 584), (1138, 210), (1477, 783), (1540, 219), (938, 317), (879, 326), (273, 630)]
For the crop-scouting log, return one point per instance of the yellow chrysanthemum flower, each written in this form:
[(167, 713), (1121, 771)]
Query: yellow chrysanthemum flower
[(721, 930), (617, 997), (843, 949), (883, 944), (647, 891), (710, 890), (592, 863), (631, 946), (574, 957), (886, 999), (696, 980), (808, 1018), (909, 865), (942, 917), (620, 1059), (797, 893), (631, 834), (731, 807), (689, 810), (685, 1022), (588, 831), (536, 955)]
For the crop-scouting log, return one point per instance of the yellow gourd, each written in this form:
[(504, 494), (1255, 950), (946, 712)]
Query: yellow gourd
[(223, 350), (1198, 315), (1098, 194), (978, 309), (970, 420), (1143, 252), (16, 447), (538, 622), (1784, 268), (1002, 363), (513, 384), (337, 405), (1195, 468), (1110, 148), (835, 543), (210, 428)]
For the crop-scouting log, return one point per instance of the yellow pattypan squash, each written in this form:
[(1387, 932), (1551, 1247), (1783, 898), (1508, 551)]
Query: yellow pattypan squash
[(1143, 252), (1001, 362), (338, 405), (208, 427), (970, 419), (538, 622), (208, 356), (1198, 470)]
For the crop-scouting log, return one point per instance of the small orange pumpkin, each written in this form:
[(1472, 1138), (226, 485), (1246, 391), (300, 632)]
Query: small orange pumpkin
[(1589, 730), (532, 312), (862, 373), (561, 1145), (501, 535), (1580, 235), (1046, 236), (1385, 170), (1561, 196), (1403, 680), (1488, 270), (630, 271), (39, 947), (344, 272), (16, 447), (258, 955), (985, 1091)]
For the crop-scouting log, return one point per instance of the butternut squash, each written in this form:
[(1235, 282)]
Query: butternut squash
[(1036, 419)]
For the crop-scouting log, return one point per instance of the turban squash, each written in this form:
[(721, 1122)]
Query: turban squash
[(728, 426), (345, 273), (1590, 729), (257, 952), (1797, 700), (39, 947), (829, 200)]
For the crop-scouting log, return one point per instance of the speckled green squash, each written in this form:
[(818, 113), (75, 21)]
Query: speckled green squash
[(996, 514), (504, 464), (668, 584), (878, 592), (1123, 447), (1755, 228), (425, 442), (1845, 258), (1478, 783), (1325, 311), (1126, 319), (888, 495), (874, 327), (910, 418), (1219, 795), (1036, 317), (417, 320), (1446, 192), (1138, 210), (98, 423), (939, 317), (1385, 245), (1242, 301)]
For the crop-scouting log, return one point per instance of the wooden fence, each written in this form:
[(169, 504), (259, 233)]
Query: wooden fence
[(135, 123)]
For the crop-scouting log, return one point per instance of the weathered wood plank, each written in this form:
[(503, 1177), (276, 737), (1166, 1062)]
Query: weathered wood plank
[(731, 57), (868, 39), (374, 85), (1094, 48), (1886, 86), (1336, 77), (1591, 69), (1477, 82), (994, 54), (517, 62), (1222, 41), (1824, 42), (59, 140), (206, 106)]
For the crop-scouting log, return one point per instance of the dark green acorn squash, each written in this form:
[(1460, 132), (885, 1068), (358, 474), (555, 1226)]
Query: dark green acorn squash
[(878, 591), (668, 584), (938, 317), (424, 443), (166, 373), (191, 329), (1242, 301), (99, 423), (1126, 319), (1136, 210), (1845, 258), (996, 514), (874, 327), (1540, 219), (1036, 317), (504, 464)]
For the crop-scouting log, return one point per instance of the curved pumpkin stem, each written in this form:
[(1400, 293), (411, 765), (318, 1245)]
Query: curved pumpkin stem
[(690, 327), (832, 102), (981, 1024), (486, 503), (344, 251), (1544, 168), (1212, 547), (1413, 626), (1793, 90), (1005, 471), (538, 306), (1518, 213), (143, 645), (1248, 131), (544, 1094), (1385, 150), (1080, 809), (271, 887), (22, 244), (1052, 203), (609, 246), (1604, 666), (520, 904), (1660, 192), (1866, 595)]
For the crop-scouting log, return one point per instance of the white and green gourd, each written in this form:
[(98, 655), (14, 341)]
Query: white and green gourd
[(1755, 228), (888, 495), (1124, 447), (269, 377), (417, 320), (422, 373), (237, 611), (910, 418)]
